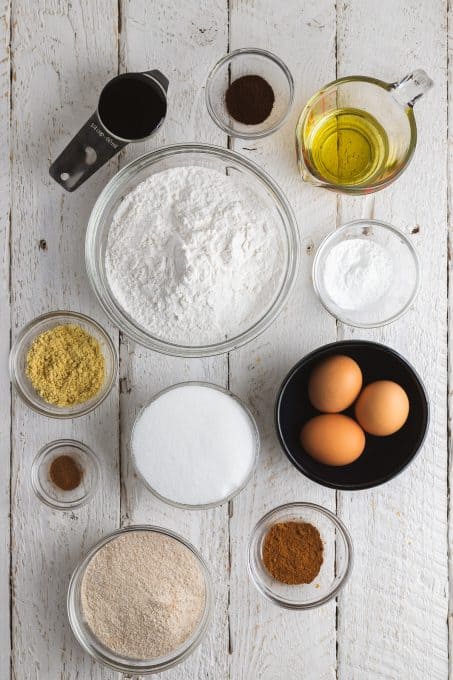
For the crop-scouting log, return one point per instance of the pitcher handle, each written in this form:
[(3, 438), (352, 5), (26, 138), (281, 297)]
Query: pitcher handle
[(411, 87)]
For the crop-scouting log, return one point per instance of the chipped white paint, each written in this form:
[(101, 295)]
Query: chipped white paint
[(391, 620)]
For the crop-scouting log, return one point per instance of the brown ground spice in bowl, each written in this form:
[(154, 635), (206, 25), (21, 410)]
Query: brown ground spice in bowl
[(65, 473), (293, 552), (249, 99)]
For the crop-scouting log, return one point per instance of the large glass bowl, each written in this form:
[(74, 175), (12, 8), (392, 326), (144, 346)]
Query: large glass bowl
[(207, 156), (89, 642)]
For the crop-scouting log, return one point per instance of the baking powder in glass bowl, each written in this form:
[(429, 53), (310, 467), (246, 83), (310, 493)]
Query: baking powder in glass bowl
[(195, 445)]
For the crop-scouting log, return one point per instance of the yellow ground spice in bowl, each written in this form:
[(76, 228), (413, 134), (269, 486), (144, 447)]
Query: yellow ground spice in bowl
[(65, 365)]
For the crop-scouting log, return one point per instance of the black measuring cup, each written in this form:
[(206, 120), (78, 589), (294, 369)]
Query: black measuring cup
[(131, 107)]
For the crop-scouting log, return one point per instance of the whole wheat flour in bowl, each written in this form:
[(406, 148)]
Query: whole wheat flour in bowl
[(143, 594), (194, 256)]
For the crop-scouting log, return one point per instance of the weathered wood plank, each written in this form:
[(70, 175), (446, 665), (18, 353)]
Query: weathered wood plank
[(183, 40), (271, 643), (62, 55), (393, 613), (450, 327), (392, 617), (5, 403)]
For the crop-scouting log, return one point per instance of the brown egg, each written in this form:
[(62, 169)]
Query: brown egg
[(382, 408), (333, 439), (335, 384)]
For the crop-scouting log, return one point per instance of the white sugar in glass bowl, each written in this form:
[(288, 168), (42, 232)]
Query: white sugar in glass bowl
[(229, 164), (195, 445)]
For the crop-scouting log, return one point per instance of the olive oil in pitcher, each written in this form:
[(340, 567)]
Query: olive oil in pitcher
[(346, 146)]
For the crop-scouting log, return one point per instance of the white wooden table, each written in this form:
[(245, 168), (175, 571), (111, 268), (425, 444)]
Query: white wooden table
[(391, 621)]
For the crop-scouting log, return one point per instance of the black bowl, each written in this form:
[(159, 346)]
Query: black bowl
[(384, 457)]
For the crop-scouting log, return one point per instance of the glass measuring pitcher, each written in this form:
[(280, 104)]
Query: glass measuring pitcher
[(358, 134)]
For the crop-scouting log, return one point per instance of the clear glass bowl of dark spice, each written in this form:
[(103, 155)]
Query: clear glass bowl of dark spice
[(249, 93), (300, 555), (65, 474)]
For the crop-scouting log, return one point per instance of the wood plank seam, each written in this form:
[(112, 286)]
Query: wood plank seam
[(449, 359), (9, 66)]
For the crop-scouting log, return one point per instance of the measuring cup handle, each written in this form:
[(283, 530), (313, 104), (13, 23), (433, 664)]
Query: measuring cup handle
[(412, 87), (157, 75), (87, 152)]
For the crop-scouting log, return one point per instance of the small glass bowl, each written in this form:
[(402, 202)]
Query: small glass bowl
[(48, 492), (220, 501), (246, 62), (401, 291), (335, 569), (18, 357), (105, 655)]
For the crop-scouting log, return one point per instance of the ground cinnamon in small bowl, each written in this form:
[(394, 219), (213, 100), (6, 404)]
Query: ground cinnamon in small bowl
[(293, 552), (65, 473)]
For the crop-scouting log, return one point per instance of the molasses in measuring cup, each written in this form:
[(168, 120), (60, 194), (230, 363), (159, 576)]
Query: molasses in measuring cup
[(131, 107), (358, 134)]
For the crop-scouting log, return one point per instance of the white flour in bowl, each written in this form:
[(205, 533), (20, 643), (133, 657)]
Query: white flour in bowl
[(193, 256)]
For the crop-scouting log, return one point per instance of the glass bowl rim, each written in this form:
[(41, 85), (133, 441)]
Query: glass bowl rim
[(324, 246), (34, 476), (160, 663), (338, 524), (230, 56), (15, 353), (288, 228), (257, 447)]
